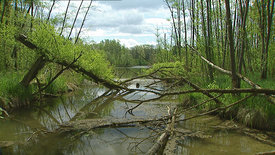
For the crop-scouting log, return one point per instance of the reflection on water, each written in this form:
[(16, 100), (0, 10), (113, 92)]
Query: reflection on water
[(222, 141), (88, 103)]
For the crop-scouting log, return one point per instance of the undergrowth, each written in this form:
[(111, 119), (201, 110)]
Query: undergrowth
[(256, 111)]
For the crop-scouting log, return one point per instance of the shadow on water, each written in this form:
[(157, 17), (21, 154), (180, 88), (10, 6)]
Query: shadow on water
[(17, 134)]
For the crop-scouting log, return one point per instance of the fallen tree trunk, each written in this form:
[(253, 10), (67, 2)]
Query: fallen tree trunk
[(79, 69), (32, 73), (271, 99), (89, 124), (42, 60), (160, 144)]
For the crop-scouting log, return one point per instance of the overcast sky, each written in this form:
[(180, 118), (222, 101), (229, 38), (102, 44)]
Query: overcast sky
[(133, 22)]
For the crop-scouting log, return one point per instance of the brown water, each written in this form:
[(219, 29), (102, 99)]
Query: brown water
[(20, 129)]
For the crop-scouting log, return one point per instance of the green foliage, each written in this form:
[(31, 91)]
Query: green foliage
[(119, 55), (58, 85), (59, 49), (10, 86), (169, 68)]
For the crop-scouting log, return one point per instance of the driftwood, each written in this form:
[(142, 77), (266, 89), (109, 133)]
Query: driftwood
[(160, 144), (4, 144), (266, 153), (89, 124)]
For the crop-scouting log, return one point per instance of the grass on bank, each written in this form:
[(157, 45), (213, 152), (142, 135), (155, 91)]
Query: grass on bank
[(11, 91), (256, 112)]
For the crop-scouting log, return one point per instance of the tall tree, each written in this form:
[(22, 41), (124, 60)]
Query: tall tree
[(65, 16), (243, 11), (75, 18), (265, 11), (231, 45), (83, 21)]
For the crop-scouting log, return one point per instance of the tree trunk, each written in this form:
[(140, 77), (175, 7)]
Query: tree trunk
[(185, 34), (49, 15), (32, 73), (83, 21), (75, 18), (231, 45), (207, 38), (63, 24), (244, 12)]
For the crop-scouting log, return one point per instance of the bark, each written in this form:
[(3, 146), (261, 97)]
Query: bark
[(83, 21), (159, 145), (265, 36), (179, 29), (89, 124), (185, 34), (63, 24), (266, 153), (244, 12), (49, 15), (3, 10), (174, 27), (33, 71), (75, 18), (231, 45), (207, 32)]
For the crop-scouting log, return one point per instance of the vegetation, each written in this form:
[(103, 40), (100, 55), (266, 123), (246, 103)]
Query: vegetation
[(38, 57), (25, 72), (236, 37)]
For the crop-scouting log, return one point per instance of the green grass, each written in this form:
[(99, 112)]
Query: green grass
[(59, 85), (10, 86), (256, 112)]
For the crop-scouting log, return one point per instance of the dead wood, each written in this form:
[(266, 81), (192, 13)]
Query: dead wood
[(32, 73), (160, 144), (266, 153), (218, 109), (39, 64), (224, 91), (251, 83), (4, 144), (58, 74), (196, 87), (89, 124)]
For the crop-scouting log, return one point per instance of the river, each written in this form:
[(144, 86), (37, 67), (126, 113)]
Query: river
[(18, 134)]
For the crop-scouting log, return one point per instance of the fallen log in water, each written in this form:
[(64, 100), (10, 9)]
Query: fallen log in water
[(89, 124), (160, 144), (266, 153)]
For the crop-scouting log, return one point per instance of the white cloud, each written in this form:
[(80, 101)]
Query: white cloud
[(133, 22), (129, 42)]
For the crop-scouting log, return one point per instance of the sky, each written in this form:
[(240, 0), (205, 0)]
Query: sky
[(132, 22)]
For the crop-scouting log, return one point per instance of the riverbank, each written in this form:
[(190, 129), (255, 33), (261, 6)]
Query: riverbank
[(13, 95), (255, 112), (86, 103)]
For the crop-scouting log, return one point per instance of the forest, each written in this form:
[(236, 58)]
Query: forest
[(216, 59)]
